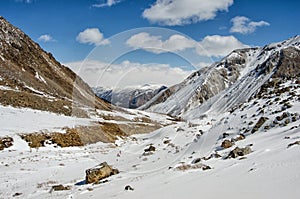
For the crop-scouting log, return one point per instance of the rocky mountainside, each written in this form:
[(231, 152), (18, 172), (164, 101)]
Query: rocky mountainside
[(31, 77), (132, 97), (231, 81)]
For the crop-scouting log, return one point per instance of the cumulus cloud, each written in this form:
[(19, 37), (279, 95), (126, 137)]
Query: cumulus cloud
[(92, 36), (244, 25), (108, 3), (127, 73), (181, 12), (45, 38), (214, 45), (218, 46), (155, 44)]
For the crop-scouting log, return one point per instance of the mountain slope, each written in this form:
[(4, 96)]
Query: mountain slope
[(240, 69), (31, 77), (132, 97)]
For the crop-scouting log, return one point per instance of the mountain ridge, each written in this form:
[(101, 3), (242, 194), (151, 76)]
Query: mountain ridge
[(208, 82), (31, 77)]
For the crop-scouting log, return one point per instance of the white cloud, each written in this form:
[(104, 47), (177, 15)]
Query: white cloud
[(181, 12), (108, 3), (218, 46), (214, 45), (155, 44), (92, 36), (244, 25), (97, 73), (45, 38)]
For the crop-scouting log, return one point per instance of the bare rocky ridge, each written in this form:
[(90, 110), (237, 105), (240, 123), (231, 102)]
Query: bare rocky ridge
[(31, 77)]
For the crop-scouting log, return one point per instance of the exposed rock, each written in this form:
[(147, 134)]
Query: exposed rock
[(225, 135), (60, 188), (6, 142), (227, 144), (17, 194), (103, 170), (294, 143), (150, 149), (239, 152), (239, 137), (128, 188), (197, 160), (184, 167), (260, 122)]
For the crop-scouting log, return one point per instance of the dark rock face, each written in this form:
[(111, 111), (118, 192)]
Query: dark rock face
[(103, 170), (31, 77)]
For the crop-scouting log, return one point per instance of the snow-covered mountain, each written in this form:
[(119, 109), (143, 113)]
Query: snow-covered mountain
[(234, 79), (130, 97)]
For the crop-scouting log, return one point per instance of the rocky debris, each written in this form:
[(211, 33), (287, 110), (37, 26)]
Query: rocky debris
[(239, 152), (294, 143), (6, 142), (225, 135), (60, 188), (149, 150), (68, 139), (260, 122), (238, 138), (227, 144), (184, 167), (97, 173), (128, 188)]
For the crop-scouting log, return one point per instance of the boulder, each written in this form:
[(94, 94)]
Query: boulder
[(128, 188), (226, 144), (239, 152), (99, 172), (6, 142)]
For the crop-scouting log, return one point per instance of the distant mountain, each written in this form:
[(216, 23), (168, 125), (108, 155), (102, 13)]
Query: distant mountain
[(232, 81), (31, 77), (131, 97)]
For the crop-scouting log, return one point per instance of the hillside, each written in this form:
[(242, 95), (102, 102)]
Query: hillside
[(31, 77), (231, 76)]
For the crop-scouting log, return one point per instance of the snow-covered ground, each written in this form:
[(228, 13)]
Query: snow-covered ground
[(270, 171)]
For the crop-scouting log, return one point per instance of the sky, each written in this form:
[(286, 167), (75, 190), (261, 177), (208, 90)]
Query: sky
[(116, 43)]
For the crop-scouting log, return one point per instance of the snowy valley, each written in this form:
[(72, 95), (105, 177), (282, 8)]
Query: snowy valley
[(230, 130)]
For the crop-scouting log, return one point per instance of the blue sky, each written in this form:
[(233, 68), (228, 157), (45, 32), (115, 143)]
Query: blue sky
[(71, 29)]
